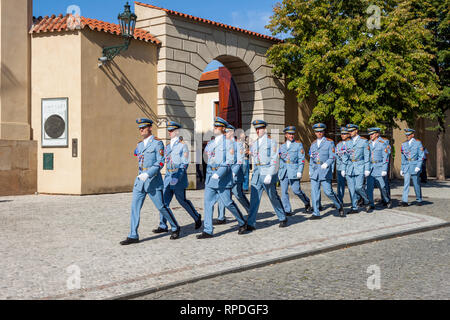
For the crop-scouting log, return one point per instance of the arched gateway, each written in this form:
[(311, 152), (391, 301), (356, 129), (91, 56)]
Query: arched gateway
[(189, 44)]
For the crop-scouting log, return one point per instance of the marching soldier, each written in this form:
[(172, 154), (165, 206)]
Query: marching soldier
[(380, 151), (322, 155), (264, 152), (219, 179), (341, 153), (292, 162), (412, 157), (357, 167), (150, 153), (238, 175), (176, 180)]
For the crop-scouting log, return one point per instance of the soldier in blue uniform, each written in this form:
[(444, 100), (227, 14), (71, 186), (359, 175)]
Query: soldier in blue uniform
[(357, 167), (219, 179), (150, 153), (322, 157), (292, 163), (341, 153), (265, 156), (176, 180), (379, 161), (238, 175), (412, 157)]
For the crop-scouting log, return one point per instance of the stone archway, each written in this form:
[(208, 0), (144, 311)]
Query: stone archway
[(189, 44)]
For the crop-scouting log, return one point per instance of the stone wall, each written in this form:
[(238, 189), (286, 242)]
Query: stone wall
[(18, 171)]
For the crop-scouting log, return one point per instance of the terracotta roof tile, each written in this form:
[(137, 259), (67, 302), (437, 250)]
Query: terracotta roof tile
[(217, 24), (60, 23), (211, 75)]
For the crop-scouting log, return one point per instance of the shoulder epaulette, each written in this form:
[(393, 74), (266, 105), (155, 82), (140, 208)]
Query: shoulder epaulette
[(418, 140), (298, 141), (363, 138), (157, 139), (330, 139)]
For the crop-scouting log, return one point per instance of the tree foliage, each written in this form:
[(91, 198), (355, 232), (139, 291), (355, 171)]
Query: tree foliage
[(358, 74), (437, 13)]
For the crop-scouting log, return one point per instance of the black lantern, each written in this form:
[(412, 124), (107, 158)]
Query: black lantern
[(127, 23)]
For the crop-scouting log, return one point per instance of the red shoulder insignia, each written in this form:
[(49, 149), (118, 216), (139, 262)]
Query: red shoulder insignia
[(330, 139)]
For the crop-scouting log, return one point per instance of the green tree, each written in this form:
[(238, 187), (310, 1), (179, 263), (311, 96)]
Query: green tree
[(359, 74), (436, 12)]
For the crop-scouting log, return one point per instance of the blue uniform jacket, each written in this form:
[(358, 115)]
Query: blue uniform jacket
[(239, 161), (412, 156), (151, 161), (379, 156), (341, 155), (292, 160), (264, 153), (358, 159), (177, 163), (221, 157), (320, 155)]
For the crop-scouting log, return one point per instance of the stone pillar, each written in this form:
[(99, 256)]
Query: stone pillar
[(15, 22), (17, 151)]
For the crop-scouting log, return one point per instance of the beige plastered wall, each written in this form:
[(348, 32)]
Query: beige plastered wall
[(56, 73), (104, 103), (205, 111), (15, 19), (113, 97)]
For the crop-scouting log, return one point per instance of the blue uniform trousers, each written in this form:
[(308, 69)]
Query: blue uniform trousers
[(341, 183), (371, 186), (388, 186), (180, 195), (316, 195), (224, 196), (246, 169), (240, 196), (138, 201), (356, 187), (255, 201), (417, 188), (296, 189)]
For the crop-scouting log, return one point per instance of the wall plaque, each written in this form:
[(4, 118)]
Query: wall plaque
[(55, 122)]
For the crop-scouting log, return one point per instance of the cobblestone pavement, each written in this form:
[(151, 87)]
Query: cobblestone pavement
[(412, 267), (46, 240)]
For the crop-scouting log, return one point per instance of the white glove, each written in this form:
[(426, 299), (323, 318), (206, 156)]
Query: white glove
[(268, 180), (215, 176), (324, 166), (402, 174), (417, 170), (343, 173), (174, 182), (299, 175), (234, 175), (143, 177), (383, 173), (367, 173)]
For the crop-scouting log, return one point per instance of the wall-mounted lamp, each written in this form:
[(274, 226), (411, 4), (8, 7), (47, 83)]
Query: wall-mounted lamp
[(127, 22)]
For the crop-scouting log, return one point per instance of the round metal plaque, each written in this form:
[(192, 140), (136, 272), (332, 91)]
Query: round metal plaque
[(55, 127)]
